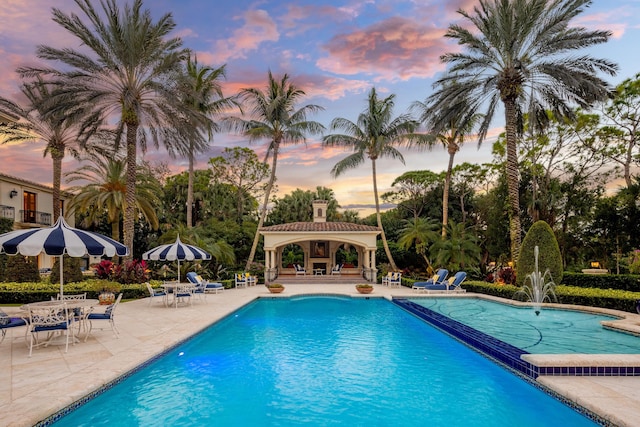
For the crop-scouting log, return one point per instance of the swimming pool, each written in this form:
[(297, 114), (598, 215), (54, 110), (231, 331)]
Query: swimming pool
[(323, 361), (554, 331)]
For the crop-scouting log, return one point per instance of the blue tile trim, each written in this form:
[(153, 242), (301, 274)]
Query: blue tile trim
[(486, 344)]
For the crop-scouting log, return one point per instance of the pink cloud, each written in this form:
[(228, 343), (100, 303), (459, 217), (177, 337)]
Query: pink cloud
[(396, 48), (611, 20), (257, 28)]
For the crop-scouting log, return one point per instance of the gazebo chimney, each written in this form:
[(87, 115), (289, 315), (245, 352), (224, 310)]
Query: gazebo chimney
[(320, 210)]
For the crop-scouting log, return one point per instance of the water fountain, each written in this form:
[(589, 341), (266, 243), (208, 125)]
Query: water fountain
[(538, 287)]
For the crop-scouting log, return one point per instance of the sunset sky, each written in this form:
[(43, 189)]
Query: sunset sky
[(334, 50)]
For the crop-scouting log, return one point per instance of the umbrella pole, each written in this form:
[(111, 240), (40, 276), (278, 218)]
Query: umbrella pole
[(61, 279), (178, 270)]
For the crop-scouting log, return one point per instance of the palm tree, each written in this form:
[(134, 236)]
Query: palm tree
[(202, 92), (128, 71), (104, 192), (460, 250), (452, 135), (519, 56), (36, 122), (275, 117), (420, 232), (373, 136)]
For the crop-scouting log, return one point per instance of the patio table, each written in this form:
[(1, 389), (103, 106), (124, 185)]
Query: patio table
[(170, 289), (78, 308)]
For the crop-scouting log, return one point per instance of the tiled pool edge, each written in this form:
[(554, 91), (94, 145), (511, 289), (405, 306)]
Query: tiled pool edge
[(449, 325), (486, 344), (509, 355)]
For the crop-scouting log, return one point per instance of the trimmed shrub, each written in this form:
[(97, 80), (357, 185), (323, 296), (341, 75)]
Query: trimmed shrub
[(549, 257), (22, 269), (71, 267), (625, 282)]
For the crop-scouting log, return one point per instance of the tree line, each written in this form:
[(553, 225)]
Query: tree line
[(132, 85)]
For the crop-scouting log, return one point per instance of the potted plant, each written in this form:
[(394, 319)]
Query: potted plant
[(107, 291), (364, 288), (275, 288)]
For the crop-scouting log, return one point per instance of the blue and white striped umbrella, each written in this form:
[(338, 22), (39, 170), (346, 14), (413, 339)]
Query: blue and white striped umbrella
[(58, 240), (176, 251)]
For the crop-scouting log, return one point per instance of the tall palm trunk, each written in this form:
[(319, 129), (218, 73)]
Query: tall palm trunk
[(57, 172), (115, 229), (130, 195), (394, 267), (452, 148), (512, 178), (263, 208), (190, 189)]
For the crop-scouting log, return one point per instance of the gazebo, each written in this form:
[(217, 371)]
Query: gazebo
[(320, 241)]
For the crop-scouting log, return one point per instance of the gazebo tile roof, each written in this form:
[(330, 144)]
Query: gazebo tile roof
[(319, 227)]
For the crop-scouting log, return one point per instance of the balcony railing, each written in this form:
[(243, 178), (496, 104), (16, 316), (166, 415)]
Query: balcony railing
[(8, 212), (35, 217)]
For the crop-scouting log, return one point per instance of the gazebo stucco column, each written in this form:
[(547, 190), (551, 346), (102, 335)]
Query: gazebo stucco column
[(270, 268), (369, 269)]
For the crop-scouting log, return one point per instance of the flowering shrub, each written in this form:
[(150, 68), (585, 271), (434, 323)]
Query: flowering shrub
[(507, 276), (135, 271), (104, 269)]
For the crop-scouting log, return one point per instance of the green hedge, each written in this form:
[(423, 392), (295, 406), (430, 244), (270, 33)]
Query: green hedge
[(625, 282), (23, 293), (594, 297)]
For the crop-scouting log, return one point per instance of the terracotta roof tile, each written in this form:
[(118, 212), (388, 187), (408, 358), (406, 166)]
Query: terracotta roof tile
[(318, 227)]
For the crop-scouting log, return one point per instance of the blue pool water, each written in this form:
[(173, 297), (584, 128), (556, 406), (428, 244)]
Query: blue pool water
[(322, 361), (552, 332)]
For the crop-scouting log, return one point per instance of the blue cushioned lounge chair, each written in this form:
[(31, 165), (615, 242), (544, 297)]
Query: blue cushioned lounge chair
[(206, 286), (453, 284), (438, 279)]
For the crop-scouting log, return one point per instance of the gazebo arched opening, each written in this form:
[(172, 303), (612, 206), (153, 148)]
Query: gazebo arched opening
[(347, 255), (292, 254)]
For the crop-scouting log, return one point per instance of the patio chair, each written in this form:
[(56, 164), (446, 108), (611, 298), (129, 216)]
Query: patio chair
[(49, 320), (453, 284), (337, 270), (10, 322), (300, 270), (156, 294), (392, 279), (245, 279), (395, 280), (108, 316), (385, 279), (437, 279), (251, 280), (208, 287), (241, 280), (183, 293)]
